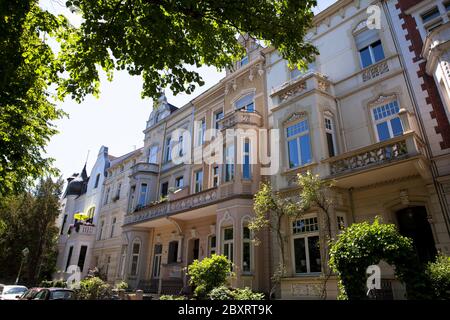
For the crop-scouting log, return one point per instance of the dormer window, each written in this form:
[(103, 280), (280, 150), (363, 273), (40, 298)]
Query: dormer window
[(246, 103)]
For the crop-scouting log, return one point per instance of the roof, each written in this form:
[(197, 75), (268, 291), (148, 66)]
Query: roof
[(124, 157)]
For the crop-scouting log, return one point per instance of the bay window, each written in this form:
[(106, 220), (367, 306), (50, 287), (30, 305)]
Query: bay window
[(306, 245), (386, 121), (298, 144)]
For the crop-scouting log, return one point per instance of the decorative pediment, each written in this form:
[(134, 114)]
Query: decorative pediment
[(383, 99), (296, 116), (360, 26)]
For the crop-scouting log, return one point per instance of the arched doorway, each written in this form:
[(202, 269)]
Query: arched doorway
[(413, 223)]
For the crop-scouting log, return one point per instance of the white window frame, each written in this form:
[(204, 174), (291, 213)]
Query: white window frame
[(210, 247), (229, 155), (297, 138), (142, 193), (201, 130), (244, 154), (168, 150), (332, 131), (177, 182), (304, 236), (245, 107), (157, 258), (198, 183), (217, 120), (341, 221), (387, 119), (249, 242), (135, 241), (229, 243), (153, 154), (215, 176)]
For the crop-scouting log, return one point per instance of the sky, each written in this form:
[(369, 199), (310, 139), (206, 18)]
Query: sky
[(117, 118)]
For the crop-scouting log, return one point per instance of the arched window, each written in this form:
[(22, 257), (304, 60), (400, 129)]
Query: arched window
[(91, 212)]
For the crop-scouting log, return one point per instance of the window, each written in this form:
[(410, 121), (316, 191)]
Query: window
[(215, 176), (164, 189), (212, 245), (228, 243), (447, 5), (97, 180), (69, 257), (246, 103), (340, 223), (142, 195), (168, 154), (229, 163), (246, 170), (369, 46), (63, 224), (329, 133), (122, 261), (298, 144), (172, 256), (246, 249), (82, 257), (387, 122), (135, 257), (108, 262), (113, 227), (100, 231), (131, 200), (243, 61), (201, 129), (217, 117), (156, 270), (180, 146), (119, 187), (430, 15), (107, 195), (179, 182), (306, 245), (90, 213), (198, 175), (152, 156)]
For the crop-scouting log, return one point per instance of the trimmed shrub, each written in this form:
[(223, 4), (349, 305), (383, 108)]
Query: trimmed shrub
[(94, 288), (170, 297), (225, 293), (438, 274)]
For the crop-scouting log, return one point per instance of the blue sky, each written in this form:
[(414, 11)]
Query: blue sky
[(117, 118)]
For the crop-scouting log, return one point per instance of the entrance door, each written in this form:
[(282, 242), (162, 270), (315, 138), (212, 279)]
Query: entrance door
[(413, 223), (156, 270)]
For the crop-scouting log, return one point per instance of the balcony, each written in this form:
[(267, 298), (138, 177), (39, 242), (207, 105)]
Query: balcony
[(240, 118), (87, 230), (144, 167), (395, 158), (168, 208), (374, 71)]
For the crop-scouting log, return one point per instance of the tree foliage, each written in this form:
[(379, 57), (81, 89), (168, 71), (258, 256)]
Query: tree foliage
[(29, 220), (438, 273), (364, 244), (157, 39), (209, 273), (93, 288)]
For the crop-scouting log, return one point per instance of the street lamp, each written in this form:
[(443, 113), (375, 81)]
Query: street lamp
[(25, 253)]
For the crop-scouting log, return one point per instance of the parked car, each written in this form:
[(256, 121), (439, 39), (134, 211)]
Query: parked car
[(12, 292), (55, 294), (30, 294)]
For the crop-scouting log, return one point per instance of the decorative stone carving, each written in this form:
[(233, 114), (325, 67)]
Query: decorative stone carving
[(295, 116), (300, 87), (404, 197), (383, 99), (360, 26), (375, 71), (322, 85)]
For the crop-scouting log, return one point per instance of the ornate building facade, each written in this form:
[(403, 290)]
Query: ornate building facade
[(354, 116)]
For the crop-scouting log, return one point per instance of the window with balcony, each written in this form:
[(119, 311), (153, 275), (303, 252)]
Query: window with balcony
[(228, 243), (215, 176), (369, 46), (246, 103), (246, 170), (246, 249), (153, 153), (229, 163), (198, 180), (298, 144), (386, 121), (179, 182), (330, 136), (305, 238), (136, 248), (142, 195)]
